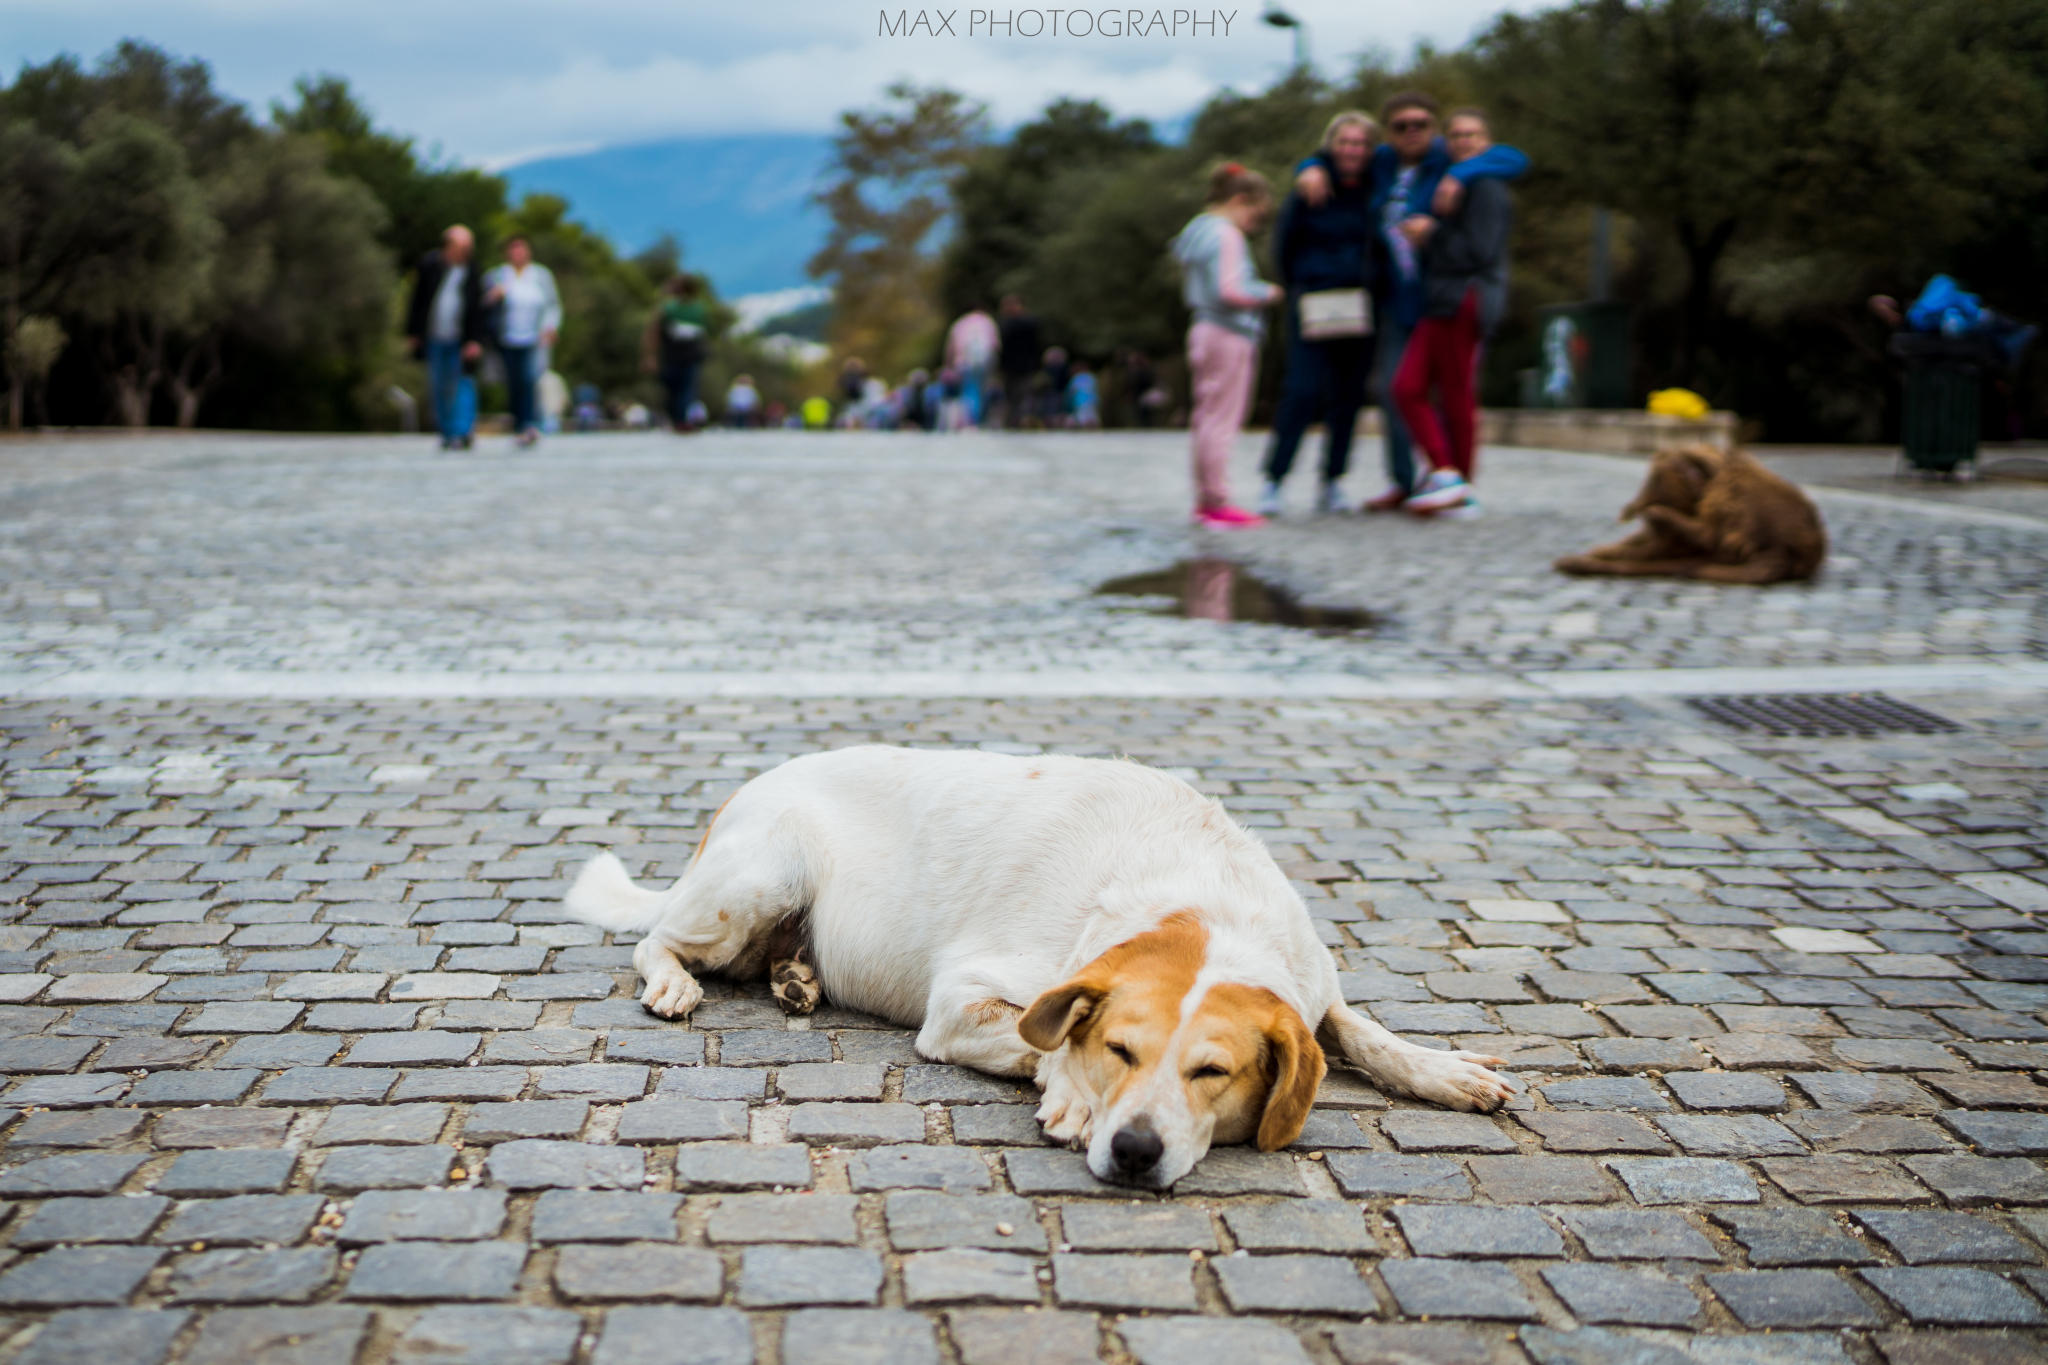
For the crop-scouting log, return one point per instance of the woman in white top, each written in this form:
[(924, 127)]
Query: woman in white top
[(529, 314)]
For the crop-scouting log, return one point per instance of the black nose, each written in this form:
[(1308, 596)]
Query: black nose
[(1136, 1150)]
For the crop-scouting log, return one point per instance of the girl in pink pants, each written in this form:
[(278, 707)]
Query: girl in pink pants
[(1228, 300)]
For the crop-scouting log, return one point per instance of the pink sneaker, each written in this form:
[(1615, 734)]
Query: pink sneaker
[(1227, 518)]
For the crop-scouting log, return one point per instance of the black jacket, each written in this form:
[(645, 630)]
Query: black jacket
[(427, 283), (1470, 251), (1326, 246)]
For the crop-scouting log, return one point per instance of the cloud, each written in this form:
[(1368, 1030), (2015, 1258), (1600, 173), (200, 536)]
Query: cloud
[(526, 77), (795, 90)]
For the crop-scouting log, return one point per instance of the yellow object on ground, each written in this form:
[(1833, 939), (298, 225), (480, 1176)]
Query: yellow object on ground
[(1679, 403), (817, 413)]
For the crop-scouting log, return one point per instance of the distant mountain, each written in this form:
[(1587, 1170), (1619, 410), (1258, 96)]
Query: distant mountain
[(739, 205)]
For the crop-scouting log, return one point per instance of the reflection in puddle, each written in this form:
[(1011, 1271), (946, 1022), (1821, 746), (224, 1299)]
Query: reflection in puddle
[(1222, 590)]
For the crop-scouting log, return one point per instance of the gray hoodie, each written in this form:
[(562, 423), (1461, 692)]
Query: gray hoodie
[(1218, 279)]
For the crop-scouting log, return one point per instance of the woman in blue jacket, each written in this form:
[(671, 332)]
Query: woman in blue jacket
[(1323, 256)]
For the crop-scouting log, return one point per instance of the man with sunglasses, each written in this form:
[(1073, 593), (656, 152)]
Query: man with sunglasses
[(1412, 174)]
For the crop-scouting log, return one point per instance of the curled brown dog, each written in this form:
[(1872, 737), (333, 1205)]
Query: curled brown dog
[(1713, 515)]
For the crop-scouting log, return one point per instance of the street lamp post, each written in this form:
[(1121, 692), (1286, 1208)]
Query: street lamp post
[(1280, 18)]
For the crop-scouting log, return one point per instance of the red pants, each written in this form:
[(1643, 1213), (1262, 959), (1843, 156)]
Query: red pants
[(1443, 352)]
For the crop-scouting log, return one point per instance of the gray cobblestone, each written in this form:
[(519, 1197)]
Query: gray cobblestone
[(462, 1335), (314, 859), (132, 1336), (81, 1221), (642, 1270), (243, 1220), (437, 1271), (282, 1336), (647, 1336)]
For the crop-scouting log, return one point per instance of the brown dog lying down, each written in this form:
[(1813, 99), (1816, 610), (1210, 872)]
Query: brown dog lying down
[(1721, 517)]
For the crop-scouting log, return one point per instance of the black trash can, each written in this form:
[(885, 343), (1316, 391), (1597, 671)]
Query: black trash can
[(1944, 386)]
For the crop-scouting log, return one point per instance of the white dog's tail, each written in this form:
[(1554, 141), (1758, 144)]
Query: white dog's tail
[(604, 895)]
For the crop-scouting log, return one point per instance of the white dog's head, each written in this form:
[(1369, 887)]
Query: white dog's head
[(1176, 1062)]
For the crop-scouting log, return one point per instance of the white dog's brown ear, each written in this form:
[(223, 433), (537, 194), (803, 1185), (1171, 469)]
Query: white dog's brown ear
[(1059, 1012), (1297, 1075)]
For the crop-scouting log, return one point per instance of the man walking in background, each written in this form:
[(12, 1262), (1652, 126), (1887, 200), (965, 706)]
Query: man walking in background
[(444, 325), (1465, 286), (1019, 358)]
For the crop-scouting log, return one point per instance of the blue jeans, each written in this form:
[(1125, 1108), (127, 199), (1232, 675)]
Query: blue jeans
[(1325, 379), (519, 385), (1394, 438), (444, 384)]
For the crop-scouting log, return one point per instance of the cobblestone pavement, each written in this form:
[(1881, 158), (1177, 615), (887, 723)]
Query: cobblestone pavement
[(772, 552), (305, 1067)]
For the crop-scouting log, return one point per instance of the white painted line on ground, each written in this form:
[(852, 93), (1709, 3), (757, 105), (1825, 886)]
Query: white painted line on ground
[(283, 685)]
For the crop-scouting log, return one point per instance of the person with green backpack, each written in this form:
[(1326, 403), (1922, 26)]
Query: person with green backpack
[(676, 343)]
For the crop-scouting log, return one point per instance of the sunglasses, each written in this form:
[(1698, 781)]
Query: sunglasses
[(1410, 125)]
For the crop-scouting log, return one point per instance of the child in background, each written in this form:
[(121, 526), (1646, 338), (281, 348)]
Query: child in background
[(1228, 300), (1084, 403), (743, 402)]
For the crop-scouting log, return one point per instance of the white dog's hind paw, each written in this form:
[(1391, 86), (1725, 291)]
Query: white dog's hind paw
[(1459, 1080), (672, 997)]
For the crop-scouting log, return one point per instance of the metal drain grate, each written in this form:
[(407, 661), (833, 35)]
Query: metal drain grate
[(1821, 713)]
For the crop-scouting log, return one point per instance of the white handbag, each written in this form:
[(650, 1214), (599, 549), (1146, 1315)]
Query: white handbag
[(1329, 314)]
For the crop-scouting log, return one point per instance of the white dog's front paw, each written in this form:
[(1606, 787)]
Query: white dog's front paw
[(1067, 1118), (672, 997), (1067, 1114), (1458, 1080)]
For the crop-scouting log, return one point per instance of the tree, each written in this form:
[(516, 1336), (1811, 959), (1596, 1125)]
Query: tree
[(35, 174), (142, 246), (1856, 128), (887, 197), (300, 268), (1005, 199), (32, 348), (421, 196)]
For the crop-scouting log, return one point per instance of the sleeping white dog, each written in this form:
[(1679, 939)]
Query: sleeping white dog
[(1095, 924)]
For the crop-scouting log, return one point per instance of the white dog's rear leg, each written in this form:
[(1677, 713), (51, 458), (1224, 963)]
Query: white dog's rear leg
[(1457, 1080), (747, 883), (671, 991)]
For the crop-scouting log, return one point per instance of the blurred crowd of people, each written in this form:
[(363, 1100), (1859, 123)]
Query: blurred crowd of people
[(1391, 255)]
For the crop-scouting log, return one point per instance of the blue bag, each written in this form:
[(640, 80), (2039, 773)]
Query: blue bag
[(465, 406), (1944, 307)]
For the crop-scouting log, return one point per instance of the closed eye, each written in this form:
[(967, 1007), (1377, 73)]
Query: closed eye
[(1204, 1073), (1122, 1054)]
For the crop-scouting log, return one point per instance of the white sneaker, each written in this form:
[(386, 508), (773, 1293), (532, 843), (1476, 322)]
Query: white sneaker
[(1444, 488), (1268, 504), (1468, 510), (1331, 500)]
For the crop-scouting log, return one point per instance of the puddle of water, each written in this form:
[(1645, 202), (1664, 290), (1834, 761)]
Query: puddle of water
[(1224, 590)]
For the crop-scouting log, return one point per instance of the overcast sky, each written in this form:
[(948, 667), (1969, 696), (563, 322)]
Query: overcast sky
[(500, 82)]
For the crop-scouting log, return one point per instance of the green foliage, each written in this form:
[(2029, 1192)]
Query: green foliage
[(1776, 163), (887, 195), (1769, 164), (211, 265), (1012, 195), (421, 196), (170, 232)]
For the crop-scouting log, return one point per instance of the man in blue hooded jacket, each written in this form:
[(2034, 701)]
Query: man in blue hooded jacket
[(1411, 173)]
